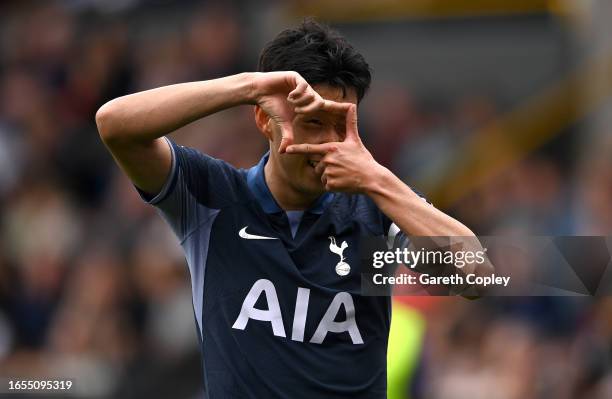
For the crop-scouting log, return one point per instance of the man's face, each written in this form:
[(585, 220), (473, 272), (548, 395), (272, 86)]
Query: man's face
[(298, 170)]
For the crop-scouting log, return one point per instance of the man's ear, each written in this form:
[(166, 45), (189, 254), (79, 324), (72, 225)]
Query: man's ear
[(263, 122)]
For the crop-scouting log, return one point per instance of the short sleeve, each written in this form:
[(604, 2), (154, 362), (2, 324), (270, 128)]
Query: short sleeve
[(197, 187)]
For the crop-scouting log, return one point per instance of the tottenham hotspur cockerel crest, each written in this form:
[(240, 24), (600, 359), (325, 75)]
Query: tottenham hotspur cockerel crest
[(342, 268)]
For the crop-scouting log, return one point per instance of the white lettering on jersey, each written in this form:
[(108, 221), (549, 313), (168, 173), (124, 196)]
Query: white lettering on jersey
[(299, 317), (328, 324), (274, 316)]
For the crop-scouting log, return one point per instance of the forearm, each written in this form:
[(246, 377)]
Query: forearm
[(408, 211), (417, 218), (150, 114)]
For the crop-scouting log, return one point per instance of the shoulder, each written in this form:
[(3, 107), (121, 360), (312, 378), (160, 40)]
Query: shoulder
[(208, 179), (360, 209)]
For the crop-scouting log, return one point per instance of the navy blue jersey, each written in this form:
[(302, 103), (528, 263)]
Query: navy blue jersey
[(276, 294)]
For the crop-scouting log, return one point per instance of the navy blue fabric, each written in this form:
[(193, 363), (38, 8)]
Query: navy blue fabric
[(253, 362), (257, 184)]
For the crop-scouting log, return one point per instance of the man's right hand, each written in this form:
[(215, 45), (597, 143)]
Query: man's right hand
[(282, 95)]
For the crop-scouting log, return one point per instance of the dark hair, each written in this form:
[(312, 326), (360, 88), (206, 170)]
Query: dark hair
[(320, 54)]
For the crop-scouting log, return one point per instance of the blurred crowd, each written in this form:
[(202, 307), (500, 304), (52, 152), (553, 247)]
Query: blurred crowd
[(93, 285)]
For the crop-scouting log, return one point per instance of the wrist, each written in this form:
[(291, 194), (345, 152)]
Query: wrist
[(250, 87), (375, 179)]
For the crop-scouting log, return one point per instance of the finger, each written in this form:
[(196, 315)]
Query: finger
[(320, 168), (324, 105), (336, 107), (300, 89), (285, 142), (321, 149), (351, 123), (309, 108), (302, 100), (286, 137)]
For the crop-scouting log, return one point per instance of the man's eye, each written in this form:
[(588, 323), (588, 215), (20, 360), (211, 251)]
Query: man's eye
[(315, 122)]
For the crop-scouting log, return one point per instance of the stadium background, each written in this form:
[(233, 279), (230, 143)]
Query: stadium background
[(499, 111)]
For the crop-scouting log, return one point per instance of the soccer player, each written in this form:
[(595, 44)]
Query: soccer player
[(273, 250)]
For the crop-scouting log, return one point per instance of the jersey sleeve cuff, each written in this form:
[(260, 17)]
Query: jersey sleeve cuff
[(168, 184)]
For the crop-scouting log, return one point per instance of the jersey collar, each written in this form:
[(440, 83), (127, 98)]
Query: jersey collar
[(256, 181)]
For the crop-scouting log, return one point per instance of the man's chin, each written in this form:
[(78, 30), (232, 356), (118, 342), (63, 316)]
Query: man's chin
[(313, 188)]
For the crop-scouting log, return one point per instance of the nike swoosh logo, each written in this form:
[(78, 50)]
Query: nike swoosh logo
[(243, 234)]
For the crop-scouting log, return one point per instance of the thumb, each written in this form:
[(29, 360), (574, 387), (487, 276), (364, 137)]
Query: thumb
[(286, 137), (352, 133)]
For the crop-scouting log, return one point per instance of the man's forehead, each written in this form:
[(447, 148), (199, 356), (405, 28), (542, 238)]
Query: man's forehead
[(335, 93)]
